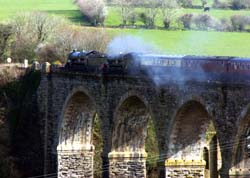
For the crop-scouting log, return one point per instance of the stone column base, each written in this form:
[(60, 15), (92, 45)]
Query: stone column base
[(127, 164), (185, 168), (239, 173), (75, 164)]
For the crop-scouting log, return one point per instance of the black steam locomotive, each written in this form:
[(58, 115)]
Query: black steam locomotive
[(134, 63), (94, 61)]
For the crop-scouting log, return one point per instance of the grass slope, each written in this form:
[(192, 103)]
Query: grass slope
[(64, 8), (67, 9), (194, 42)]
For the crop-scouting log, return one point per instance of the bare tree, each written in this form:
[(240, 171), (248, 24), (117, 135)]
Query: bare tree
[(71, 37), (151, 11), (93, 10), (5, 34), (127, 9), (168, 9), (31, 29)]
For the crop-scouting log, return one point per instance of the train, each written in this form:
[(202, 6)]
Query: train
[(155, 64)]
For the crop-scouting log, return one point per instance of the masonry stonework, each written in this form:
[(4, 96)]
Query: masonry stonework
[(223, 105), (78, 164)]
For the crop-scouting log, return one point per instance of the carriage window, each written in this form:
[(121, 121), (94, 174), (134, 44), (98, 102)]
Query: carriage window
[(248, 142)]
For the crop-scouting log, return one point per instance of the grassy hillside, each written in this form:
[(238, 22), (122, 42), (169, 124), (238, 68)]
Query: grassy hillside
[(67, 9), (59, 7), (194, 42)]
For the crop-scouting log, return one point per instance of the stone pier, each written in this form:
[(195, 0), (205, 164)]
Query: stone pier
[(185, 168), (75, 163), (127, 164)]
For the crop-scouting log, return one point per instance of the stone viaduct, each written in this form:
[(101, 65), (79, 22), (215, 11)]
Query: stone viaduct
[(201, 126)]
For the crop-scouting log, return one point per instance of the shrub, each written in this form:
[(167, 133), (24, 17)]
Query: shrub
[(167, 22), (239, 22), (186, 19), (240, 4), (29, 30), (70, 37), (5, 33), (93, 10), (185, 3), (224, 25), (204, 22), (221, 5), (147, 20), (132, 18)]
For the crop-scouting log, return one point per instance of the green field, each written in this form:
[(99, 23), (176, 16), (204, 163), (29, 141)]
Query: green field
[(63, 8), (67, 9), (194, 42), (169, 42)]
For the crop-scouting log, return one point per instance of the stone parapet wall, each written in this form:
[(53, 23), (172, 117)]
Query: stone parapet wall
[(239, 173), (76, 164), (185, 168), (127, 165)]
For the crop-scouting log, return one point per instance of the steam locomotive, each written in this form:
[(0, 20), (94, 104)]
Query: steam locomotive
[(135, 63)]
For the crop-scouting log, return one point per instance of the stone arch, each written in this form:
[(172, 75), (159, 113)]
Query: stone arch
[(241, 145), (75, 144), (192, 141), (129, 136), (131, 117)]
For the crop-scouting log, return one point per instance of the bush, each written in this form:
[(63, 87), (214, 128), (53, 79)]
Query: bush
[(148, 21), (221, 5), (186, 20), (204, 22), (29, 30), (5, 33), (167, 22), (70, 37), (132, 18), (224, 25), (93, 10), (185, 3), (240, 4), (239, 22)]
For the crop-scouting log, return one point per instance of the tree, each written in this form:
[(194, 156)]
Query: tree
[(5, 33), (168, 10), (186, 19), (68, 38), (29, 30), (203, 2), (93, 10), (240, 4), (185, 3), (127, 10), (151, 11)]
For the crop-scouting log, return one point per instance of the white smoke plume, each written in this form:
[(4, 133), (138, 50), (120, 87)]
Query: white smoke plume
[(128, 43)]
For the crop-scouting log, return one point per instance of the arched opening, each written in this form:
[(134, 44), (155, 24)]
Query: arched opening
[(75, 148), (128, 156), (241, 161), (193, 143)]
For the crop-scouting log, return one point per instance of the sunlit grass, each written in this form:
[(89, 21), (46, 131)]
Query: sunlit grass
[(194, 42)]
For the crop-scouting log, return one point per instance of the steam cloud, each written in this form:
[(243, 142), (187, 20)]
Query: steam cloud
[(127, 44), (159, 75)]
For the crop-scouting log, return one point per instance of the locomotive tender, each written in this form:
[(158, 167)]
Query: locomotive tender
[(135, 63)]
